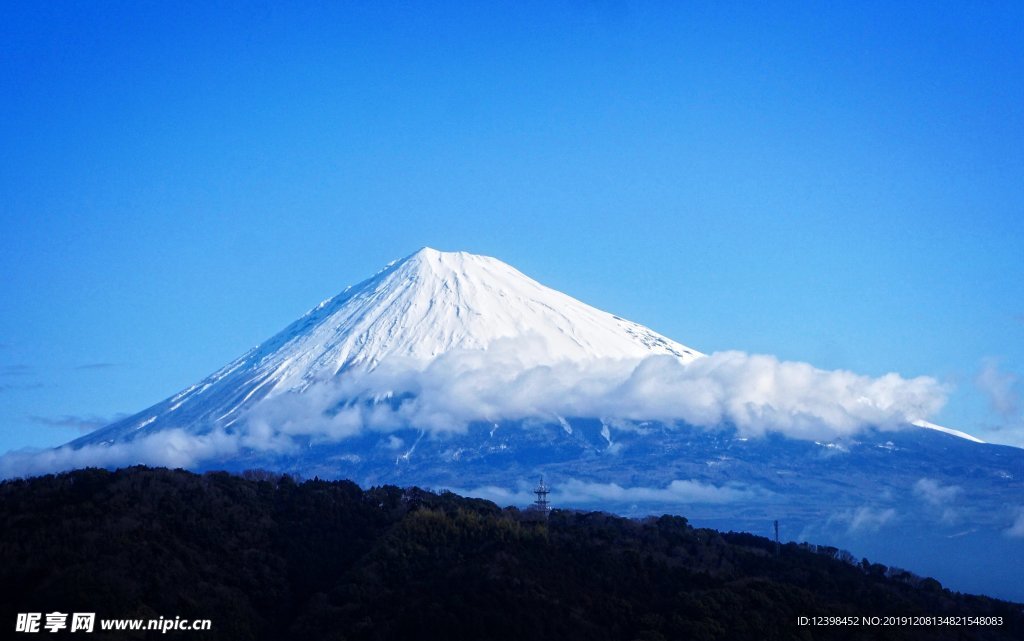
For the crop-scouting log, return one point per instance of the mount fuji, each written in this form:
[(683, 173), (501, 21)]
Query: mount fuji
[(428, 304), (452, 370)]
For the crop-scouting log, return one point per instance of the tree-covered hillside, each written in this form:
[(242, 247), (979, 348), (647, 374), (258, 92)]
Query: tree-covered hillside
[(264, 557)]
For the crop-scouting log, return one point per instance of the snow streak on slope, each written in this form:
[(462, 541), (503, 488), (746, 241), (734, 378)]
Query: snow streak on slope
[(428, 304), (947, 430)]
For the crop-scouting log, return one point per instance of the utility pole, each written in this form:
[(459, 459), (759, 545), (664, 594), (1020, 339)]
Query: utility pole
[(776, 524)]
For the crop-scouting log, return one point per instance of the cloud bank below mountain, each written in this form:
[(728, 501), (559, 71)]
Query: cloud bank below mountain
[(755, 394)]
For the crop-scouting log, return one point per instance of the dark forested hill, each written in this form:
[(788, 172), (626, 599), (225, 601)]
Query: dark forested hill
[(266, 558)]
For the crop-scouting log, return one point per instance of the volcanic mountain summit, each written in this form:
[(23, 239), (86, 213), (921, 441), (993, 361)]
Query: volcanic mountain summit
[(415, 309)]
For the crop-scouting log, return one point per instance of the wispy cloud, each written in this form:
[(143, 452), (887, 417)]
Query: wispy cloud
[(1004, 394), (12, 374), (91, 366), (935, 493), (1000, 388), (16, 387), (169, 448), (1016, 530), (80, 423), (19, 369), (573, 492), (942, 498), (678, 491), (865, 518)]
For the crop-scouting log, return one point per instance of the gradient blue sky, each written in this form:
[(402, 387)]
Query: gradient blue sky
[(841, 184)]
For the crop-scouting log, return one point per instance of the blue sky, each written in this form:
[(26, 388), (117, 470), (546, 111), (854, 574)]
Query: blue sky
[(841, 184)]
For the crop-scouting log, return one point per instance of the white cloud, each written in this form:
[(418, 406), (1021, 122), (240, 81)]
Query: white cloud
[(170, 448), (1000, 388), (1016, 530), (755, 393), (935, 493), (573, 492), (1003, 391), (941, 497), (865, 518)]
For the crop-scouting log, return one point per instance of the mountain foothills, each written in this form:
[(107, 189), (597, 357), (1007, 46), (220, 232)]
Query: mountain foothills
[(451, 370), (264, 557)]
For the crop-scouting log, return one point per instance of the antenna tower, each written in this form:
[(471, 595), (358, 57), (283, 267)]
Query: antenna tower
[(541, 504)]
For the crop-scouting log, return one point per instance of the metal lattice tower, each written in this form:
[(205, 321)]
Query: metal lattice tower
[(541, 504)]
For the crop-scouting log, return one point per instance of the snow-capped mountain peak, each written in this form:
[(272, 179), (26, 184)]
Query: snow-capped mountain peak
[(433, 302), (415, 309)]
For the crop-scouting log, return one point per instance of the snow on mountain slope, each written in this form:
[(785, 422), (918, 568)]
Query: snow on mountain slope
[(427, 304), (932, 426), (434, 302)]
